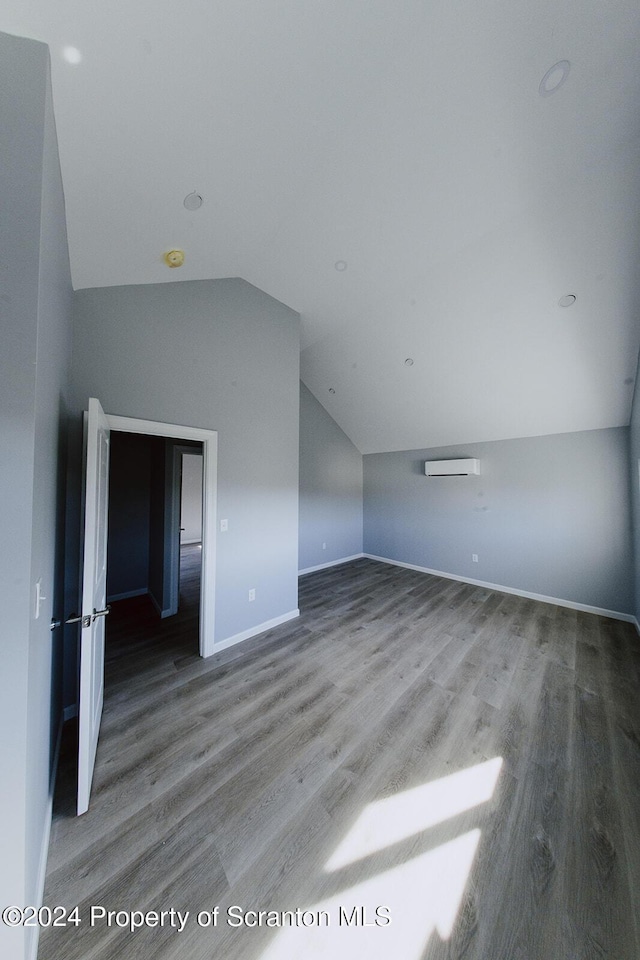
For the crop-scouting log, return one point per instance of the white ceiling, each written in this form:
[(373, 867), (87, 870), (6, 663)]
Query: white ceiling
[(404, 137)]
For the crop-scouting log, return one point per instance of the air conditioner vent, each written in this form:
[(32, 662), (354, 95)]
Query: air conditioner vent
[(467, 467)]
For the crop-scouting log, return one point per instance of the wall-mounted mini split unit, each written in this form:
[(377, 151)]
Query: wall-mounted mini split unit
[(452, 468)]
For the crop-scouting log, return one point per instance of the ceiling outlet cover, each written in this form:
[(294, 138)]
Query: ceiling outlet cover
[(193, 201), (567, 301)]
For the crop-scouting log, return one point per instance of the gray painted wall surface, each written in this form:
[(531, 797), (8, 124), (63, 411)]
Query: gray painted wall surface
[(548, 515), (330, 488), (635, 492), (35, 303), (220, 355), (22, 79)]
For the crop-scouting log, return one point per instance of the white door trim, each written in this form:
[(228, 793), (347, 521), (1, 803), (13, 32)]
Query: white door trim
[(175, 507), (209, 440)]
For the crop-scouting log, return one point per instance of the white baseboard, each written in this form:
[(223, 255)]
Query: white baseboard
[(142, 593), (254, 631), (127, 595), (155, 603), (161, 613), (331, 563), (558, 601)]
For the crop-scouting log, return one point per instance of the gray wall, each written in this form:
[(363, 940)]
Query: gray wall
[(548, 515), (330, 488), (635, 492), (35, 301), (220, 355)]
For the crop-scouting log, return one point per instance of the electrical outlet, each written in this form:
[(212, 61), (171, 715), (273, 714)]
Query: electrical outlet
[(252, 595), (474, 557), (224, 526), (324, 546)]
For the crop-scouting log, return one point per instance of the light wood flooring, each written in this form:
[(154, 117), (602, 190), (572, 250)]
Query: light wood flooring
[(469, 760)]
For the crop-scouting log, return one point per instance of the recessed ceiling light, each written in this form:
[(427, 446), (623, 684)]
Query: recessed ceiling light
[(554, 78), (331, 390), (340, 265), (567, 301), (408, 362), (193, 201), (72, 55)]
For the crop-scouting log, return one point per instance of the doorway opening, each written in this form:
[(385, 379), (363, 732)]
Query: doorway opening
[(154, 544), (179, 441)]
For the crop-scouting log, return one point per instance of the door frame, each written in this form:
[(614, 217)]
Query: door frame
[(174, 506), (209, 440)]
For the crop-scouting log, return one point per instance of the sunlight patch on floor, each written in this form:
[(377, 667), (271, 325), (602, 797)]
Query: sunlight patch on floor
[(394, 912), (396, 818), (419, 898)]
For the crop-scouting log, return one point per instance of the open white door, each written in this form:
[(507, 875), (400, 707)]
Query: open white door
[(94, 595)]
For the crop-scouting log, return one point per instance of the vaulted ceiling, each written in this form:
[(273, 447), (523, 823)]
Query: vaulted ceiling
[(398, 171)]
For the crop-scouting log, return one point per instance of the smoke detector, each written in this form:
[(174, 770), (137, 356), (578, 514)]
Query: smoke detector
[(174, 258)]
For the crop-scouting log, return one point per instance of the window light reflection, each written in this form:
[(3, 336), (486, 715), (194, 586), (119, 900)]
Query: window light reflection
[(422, 895), (395, 818)]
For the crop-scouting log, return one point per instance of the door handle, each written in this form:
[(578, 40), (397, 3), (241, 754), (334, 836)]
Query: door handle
[(100, 613), (88, 619), (85, 621)]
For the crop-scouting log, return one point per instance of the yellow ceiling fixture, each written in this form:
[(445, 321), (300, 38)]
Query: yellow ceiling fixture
[(174, 258)]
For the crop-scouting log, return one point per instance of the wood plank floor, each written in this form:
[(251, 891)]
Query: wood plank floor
[(465, 759)]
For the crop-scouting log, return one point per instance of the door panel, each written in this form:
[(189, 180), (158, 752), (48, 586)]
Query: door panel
[(94, 595)]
